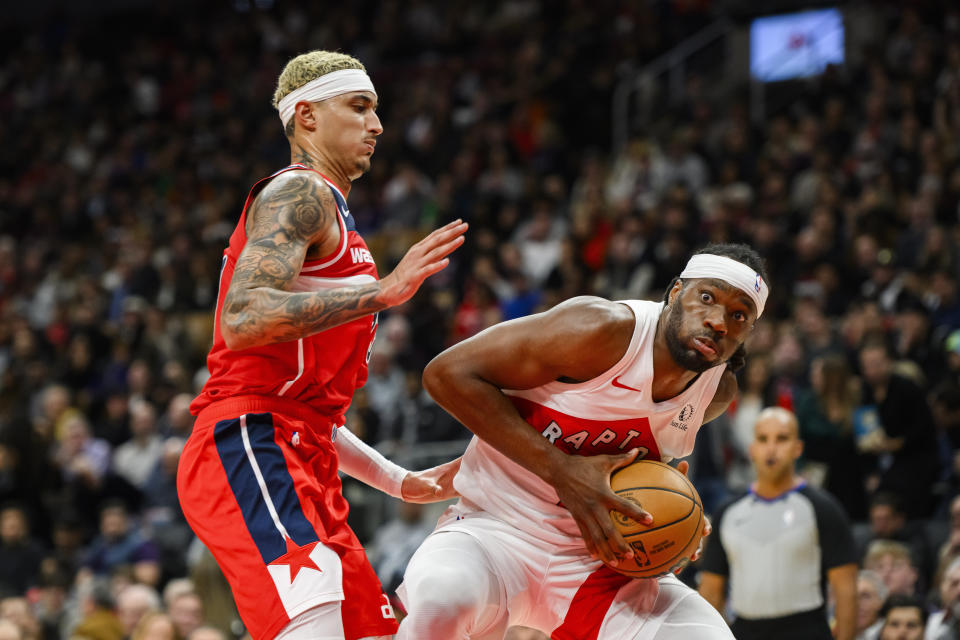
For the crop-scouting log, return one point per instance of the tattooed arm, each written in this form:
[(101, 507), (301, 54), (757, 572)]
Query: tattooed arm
[(294, 212)]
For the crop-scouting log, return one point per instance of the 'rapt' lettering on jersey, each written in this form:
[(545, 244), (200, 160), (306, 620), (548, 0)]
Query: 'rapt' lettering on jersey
[(589, 437)]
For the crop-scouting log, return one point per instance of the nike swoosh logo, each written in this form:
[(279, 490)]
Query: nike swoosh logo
[(616, 382)]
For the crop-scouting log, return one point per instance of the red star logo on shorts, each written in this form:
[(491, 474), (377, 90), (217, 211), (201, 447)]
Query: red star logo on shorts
[(298, 558)]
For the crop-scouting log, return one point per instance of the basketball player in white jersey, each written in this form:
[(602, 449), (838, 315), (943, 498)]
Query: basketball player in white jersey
[(557, 401)]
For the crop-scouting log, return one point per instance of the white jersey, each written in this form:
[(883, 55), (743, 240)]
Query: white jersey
[(609, 414)]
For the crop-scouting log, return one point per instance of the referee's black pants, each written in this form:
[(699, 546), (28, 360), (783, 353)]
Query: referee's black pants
[(807, 625)]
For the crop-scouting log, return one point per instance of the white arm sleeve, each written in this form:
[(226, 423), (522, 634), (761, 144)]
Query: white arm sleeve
[(363, 462)]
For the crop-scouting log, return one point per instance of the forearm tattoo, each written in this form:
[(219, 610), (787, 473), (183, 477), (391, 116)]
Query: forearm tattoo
[(284, 220)]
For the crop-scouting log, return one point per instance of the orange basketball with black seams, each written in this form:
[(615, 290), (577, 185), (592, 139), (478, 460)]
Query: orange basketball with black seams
[(666, 545)]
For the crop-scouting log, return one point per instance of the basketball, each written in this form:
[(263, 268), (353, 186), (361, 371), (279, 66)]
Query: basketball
[(667, 544)]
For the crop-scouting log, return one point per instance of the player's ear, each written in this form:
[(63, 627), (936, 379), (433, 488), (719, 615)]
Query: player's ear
[(306, 115), (675, 291)]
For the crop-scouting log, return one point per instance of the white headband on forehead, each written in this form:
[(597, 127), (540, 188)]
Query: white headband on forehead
[(707, 265), (332, 84)]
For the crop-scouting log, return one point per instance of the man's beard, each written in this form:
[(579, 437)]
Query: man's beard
[(687, 358)]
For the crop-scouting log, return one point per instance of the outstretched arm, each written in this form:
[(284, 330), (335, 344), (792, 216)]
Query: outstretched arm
[(361, 461), (295, 211), (575, 341)]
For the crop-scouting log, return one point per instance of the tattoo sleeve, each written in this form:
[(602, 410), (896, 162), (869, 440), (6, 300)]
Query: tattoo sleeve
[(292, 212)]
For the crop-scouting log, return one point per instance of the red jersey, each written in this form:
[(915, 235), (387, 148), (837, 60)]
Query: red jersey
[(322, 370)]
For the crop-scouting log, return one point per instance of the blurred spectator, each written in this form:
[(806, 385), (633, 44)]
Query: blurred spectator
[(206, 633), (904, 439), (68, 538), (405, 197), (176, 420), (154, 625), (385, 391), (9, 631), (50, 596), (135, 459), (394, 542), (540, 241), (945, 301), (186, 612), (97, 618), (679, 165), (119, 543), (54, 408), (904, 618), (871, 592), (27, 475), (825, 413), (950, 546), (134, 602), (175, 588), (18, 611), (945, 405), (944, 624), (163, 520), (895, 566), (477, 311), (82, 458), (220, 610), (912, 338), (160, 502), (20, 555), (888, 521), (113, 422)]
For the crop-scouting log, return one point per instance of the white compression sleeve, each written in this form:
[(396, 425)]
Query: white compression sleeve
[(363, 462)]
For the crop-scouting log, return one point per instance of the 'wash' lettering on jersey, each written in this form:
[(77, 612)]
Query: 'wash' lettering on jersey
[(583, 436), (359, 255)]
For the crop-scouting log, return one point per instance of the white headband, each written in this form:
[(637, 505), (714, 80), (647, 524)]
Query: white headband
[(706, 265), (332, 84)]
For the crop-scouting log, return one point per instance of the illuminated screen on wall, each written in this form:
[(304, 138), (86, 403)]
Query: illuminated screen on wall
[(795, 45)]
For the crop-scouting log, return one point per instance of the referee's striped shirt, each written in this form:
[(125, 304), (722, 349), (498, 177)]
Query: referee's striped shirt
[(775, 554)]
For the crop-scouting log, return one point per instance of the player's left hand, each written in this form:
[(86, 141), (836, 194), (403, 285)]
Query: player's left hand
[(683, 467), (707, 530), (430, 485)]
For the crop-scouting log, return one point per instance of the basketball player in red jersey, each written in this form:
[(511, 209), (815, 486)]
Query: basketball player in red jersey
[(557, 401), (296, 318)]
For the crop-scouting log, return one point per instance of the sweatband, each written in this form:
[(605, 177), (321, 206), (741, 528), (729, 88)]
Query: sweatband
[(332, 84), (361, 461), (706, 265)]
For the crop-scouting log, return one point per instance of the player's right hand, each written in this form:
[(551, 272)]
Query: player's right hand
[(583, 486), (420, 262), (431, 485)]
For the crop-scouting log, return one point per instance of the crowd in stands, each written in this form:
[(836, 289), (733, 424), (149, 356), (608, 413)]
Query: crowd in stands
[(129, 143)]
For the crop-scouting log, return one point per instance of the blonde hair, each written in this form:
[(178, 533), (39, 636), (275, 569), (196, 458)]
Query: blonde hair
[(880, 548), (310, 66), (143, 630)]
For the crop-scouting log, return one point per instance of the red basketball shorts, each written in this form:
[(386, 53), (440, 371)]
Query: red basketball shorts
[(258, 484)]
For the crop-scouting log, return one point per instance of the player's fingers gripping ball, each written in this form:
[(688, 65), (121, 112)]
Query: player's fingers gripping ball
[(666, 545)]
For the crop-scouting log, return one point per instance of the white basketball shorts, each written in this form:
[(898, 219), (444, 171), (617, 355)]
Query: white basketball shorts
[(561, 591)]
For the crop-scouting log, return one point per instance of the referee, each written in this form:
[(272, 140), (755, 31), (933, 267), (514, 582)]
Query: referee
[(779, 545)]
